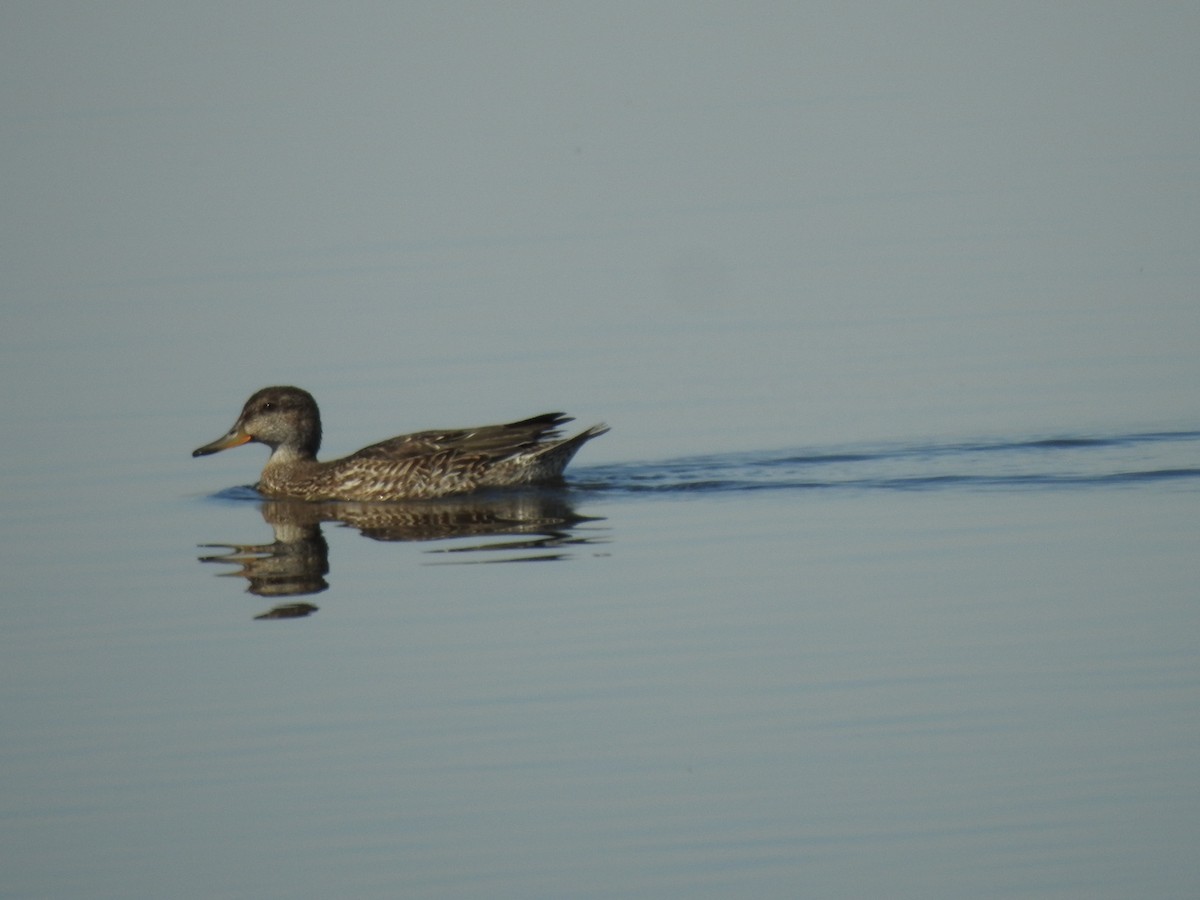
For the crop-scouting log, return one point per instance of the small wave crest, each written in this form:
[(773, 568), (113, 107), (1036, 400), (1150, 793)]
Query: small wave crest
[(1027, 463)]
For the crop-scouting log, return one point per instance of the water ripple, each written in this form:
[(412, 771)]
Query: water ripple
[(1025, 463)]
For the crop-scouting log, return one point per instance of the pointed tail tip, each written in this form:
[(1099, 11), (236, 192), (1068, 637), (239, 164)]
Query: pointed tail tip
[(596, 430)]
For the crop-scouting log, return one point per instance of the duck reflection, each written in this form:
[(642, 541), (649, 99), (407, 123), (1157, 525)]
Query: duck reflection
[(543, 523)]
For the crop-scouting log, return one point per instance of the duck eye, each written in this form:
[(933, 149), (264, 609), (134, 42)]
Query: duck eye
[(268, 406)]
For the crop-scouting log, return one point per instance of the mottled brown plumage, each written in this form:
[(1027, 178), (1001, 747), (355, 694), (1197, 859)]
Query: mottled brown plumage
[(409, 467)]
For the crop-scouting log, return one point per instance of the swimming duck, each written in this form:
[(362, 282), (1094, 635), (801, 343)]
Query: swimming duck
[(409, 467)]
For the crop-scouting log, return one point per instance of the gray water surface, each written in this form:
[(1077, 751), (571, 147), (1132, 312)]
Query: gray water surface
[(668, 684), (884, 583)]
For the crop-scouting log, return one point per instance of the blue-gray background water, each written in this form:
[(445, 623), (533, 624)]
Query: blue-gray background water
[(883, 584)]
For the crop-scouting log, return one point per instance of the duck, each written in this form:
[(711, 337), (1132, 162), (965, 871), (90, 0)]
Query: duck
[(418, 466)]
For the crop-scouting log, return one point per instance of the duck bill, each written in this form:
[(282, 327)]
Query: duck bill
[(233, 439)]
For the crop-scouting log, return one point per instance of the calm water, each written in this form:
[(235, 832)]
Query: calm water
[(884, 583), (959, 669)]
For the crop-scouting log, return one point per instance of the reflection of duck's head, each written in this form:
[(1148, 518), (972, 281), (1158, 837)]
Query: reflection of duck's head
[(286, 419)]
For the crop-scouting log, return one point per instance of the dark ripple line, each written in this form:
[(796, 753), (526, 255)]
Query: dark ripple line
[(704, 474), (1153, 475), (904, 483), (896, 451)]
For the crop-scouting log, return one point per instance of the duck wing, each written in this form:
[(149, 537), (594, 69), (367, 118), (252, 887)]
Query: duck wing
[(488, 441)]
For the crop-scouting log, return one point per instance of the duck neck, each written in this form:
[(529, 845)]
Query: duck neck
[(290, 456)]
